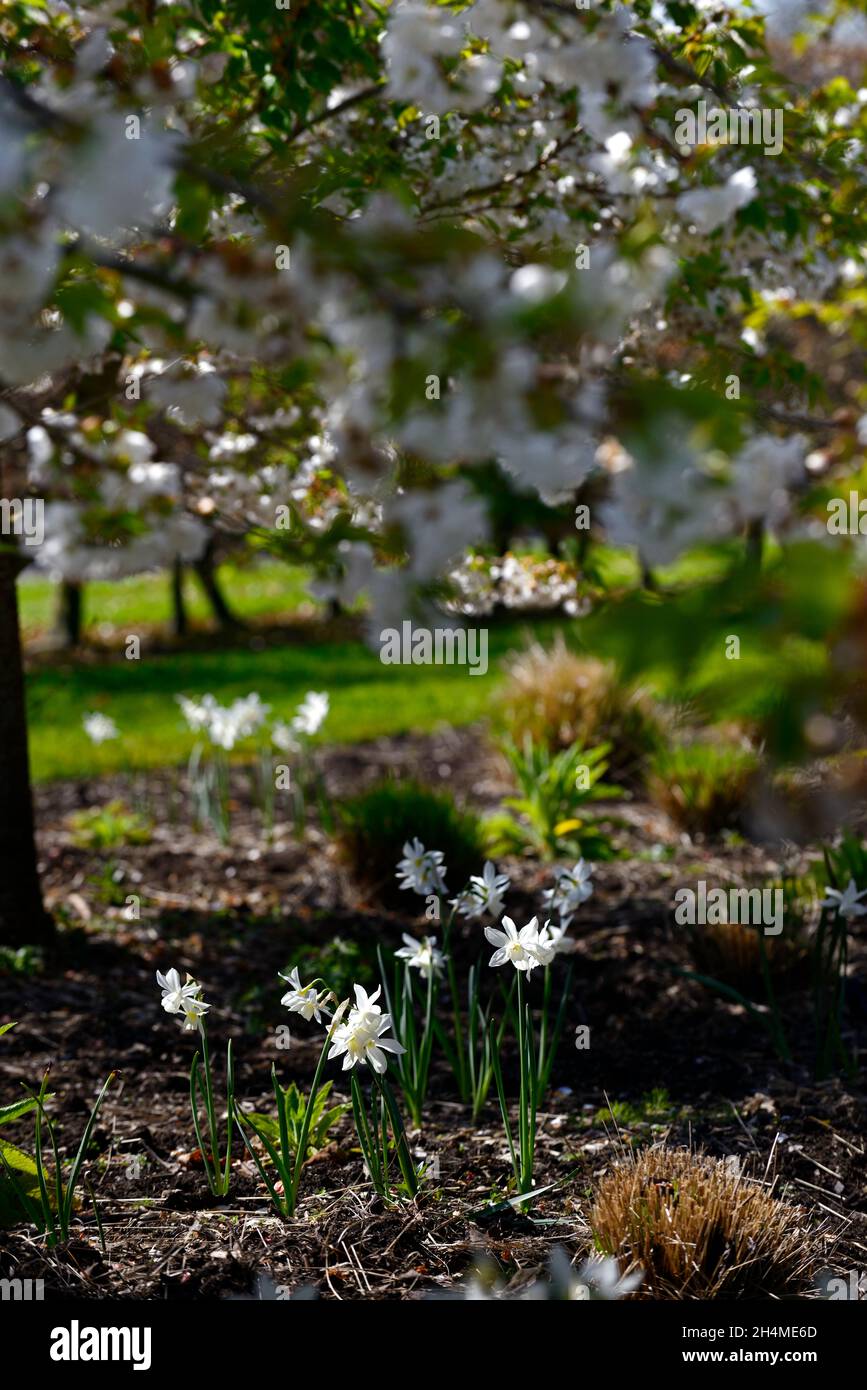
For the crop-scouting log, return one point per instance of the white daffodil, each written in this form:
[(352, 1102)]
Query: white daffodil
[(283, 738), (515, 946), (559, 939), (311, 713), (546, 944), (197, 713), (361, 1037), (422, 955), (225, 725), (99, 727), (847, 903), (603, 1278), (484, 894), (249, 714), (366, 1012), (183, 999), (305, 1000), (572, 888), (422, 869), (194, 1011)]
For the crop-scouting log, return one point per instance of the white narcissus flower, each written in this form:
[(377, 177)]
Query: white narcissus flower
[(305, 1000), (484, 894), (515, 946), (283, 738), (547, 944), (225, 725), (572, 888), (361, 1038), (421, 869), (196, 713), (183, 999), (249, 714), (846, 903), (194, 1011), (366, 1012), (605, 1282), (99, 727), (422, 955), (560, 942), (311, 713), (598, 1280)]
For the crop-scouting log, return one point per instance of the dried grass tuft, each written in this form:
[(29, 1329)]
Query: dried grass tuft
[(699, 1230), (732, 953), (561, 698)]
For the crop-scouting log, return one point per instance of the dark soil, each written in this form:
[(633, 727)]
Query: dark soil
[(234, 917)]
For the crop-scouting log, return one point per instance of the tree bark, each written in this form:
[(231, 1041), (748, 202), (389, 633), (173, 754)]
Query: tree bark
[(206, 569), (23, 919), (69, 608)]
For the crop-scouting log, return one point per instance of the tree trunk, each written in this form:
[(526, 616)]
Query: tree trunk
[(179, 607), (23, 919), (69, 609), (755, 543), (207, 571)]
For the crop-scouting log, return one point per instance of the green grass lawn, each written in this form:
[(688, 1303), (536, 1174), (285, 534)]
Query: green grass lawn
[(368, 699), (252, 591)]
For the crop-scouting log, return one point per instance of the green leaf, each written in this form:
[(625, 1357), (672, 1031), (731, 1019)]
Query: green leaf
[(4, 1027), (17, 1109), (265, 1126), (18, 1175)]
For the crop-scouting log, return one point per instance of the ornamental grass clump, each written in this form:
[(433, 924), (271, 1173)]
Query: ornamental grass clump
[(558, 697), (703, 786), (698, 1228), (375, 826)]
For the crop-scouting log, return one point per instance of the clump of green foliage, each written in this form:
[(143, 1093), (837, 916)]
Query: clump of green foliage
[(702, 786), (21, 960), (28, 1190), (109, 827), (655, 1107), (293, 1105), (548, 817), (374, 826)]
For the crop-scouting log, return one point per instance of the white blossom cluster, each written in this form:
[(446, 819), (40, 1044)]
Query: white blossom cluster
[(522, 582), (556, 133)]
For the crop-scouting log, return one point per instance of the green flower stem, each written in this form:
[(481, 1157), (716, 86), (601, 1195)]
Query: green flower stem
[(307, 1121), (461, 1072), (218, 1171)]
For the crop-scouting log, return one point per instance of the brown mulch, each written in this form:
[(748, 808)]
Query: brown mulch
[(236, 916)]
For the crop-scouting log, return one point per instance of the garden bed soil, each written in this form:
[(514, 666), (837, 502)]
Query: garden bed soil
[(668, 1059)]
